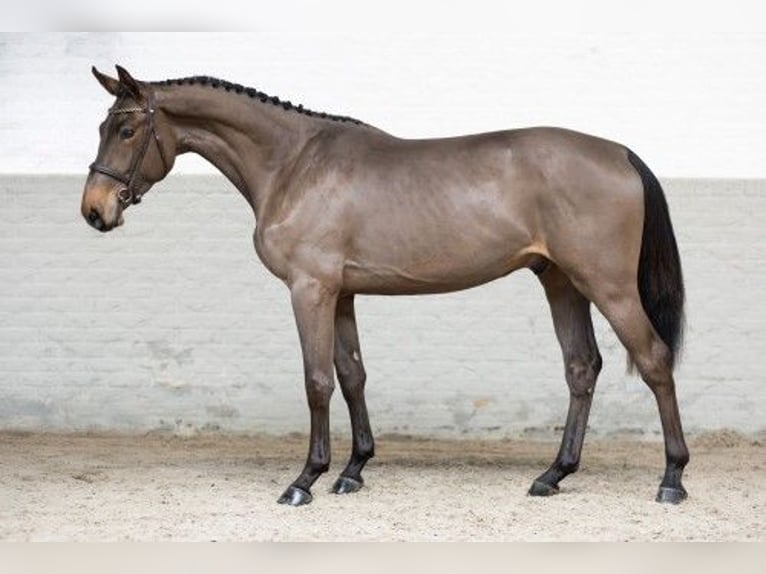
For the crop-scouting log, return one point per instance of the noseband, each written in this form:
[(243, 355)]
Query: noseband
[(129, 195)]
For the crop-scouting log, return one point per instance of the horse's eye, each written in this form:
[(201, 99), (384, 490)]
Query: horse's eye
[(126, 133)]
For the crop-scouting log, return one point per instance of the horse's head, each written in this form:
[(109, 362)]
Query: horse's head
[(136, 150)]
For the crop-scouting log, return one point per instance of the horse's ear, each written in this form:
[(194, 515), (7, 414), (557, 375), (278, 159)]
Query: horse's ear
[(128, 83), (111, 85)]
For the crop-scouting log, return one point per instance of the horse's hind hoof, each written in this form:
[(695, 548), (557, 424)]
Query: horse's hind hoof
[(671, 495), (295, 496), (539, 488), (345, 485)]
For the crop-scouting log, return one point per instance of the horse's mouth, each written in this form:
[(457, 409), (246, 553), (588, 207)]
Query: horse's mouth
[(104, 227), (112, 226)]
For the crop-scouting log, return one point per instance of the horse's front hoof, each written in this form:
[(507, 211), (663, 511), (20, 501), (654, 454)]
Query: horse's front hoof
[(671, 495), (295, 496), (539, 488), (345, 485)]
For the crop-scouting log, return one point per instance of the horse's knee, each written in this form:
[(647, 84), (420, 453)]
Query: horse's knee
[(582, 371), (319, 388), (351, 373)]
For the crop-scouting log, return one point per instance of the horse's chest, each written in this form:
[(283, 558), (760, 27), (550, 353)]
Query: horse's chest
[(272, 253), (288, 252)]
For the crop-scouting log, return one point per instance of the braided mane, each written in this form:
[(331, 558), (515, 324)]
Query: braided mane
[(255, 94)]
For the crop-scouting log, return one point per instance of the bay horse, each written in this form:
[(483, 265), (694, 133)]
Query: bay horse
[(343, 208)]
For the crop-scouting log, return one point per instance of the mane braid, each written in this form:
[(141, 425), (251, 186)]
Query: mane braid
[(255, 94)]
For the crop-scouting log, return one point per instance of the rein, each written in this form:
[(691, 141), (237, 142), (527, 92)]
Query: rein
[(128, 195)]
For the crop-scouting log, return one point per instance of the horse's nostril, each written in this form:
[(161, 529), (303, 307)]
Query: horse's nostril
[(95, 219)]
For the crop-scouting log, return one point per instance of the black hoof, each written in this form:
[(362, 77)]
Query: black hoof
[(345, 485), (295, 496), (671, 495), (542, 489)]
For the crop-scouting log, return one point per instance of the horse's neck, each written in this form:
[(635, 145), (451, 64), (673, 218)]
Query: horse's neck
[(248, 141)]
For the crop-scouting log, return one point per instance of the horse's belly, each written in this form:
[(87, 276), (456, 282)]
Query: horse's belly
[(434, 274), (443, 250)]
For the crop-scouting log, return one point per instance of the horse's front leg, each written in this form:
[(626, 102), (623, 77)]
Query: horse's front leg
[(351, 375), (314, 308)]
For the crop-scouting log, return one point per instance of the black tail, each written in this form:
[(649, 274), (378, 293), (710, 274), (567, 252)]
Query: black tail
[(660, 281)]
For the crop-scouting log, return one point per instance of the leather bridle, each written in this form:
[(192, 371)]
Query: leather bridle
[(129, 195)]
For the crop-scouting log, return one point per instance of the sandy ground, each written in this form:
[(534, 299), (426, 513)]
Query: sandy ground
[(212, 487)]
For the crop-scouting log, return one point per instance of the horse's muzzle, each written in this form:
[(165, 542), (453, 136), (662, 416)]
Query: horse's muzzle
[(94, 218), (101, 207)]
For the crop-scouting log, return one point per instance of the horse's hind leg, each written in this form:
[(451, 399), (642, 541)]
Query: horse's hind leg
[(621, 305), (351, 375), (582, 363)]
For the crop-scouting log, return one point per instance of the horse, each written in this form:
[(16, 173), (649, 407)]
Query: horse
[(343, 208)]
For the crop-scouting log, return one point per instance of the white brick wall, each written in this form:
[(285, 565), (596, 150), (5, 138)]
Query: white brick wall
[(172, 322)]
